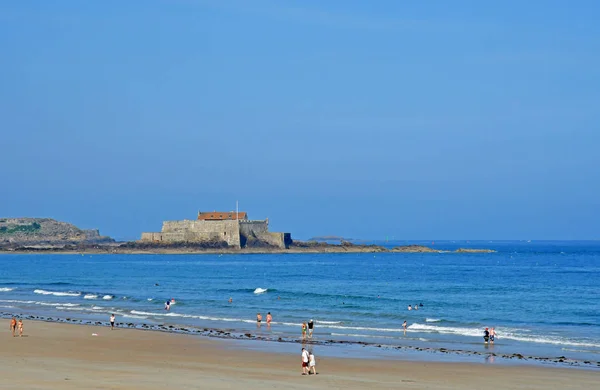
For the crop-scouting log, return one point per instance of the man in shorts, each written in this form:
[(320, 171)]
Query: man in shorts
[(305, 359), (311, 326), (13, 326)]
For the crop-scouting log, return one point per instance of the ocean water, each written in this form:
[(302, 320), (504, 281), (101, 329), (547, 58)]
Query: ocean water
[(543, 298)]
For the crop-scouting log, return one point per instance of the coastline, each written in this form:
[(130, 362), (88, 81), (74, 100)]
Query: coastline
[(166, 250), (394, 352), (54, 355)]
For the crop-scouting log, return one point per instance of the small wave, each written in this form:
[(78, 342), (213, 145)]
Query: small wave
[(97, 308), (260, 290), (90, 296), (6, 289), (150, 299), (328, 322), (57, 293), (511, 334), (107, 297), (432, 320), (134, 316)]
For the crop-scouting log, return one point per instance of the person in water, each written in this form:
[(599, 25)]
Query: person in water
[(230, 299), (404, 326), (409, 307), (486, 335), (168, 305), (311, 326), (416, 307), (258, 319), (303, 330), (269, 318), (492, 336)]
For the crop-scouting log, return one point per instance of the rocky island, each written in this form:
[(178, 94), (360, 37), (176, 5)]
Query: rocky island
[(212, 232)]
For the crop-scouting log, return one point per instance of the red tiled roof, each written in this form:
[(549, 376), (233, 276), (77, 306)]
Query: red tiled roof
[(221, 216)]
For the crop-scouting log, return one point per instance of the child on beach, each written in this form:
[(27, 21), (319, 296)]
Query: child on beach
[(303, 330), (20, 328), (112, 321), (311, 364)]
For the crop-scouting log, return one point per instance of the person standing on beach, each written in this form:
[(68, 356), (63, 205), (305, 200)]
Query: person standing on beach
[(311, 326), (305, 359), (312, 364), (112, 321), (20, 328), (492, 336), (13, 326)]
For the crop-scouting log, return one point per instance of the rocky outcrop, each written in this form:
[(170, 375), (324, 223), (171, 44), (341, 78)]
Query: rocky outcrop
[(44, 232)]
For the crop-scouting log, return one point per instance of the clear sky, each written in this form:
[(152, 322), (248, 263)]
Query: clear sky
[(411, 119)]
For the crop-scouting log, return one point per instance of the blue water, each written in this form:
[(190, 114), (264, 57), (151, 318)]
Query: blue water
[(543, 298)]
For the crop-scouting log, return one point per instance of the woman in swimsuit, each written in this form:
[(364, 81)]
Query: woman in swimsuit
[(303, 330), (20, 328)]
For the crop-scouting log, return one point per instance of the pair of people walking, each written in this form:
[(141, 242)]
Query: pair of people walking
[(308, 328), (489, 335), (14, 325), (309, 365)]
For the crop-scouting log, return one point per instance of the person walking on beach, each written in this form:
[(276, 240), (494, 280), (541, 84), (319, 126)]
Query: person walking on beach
[(112, 321), (303, 330), (311, 326), (311, 364), (486, 335), (20, 328), (492, 336), (305, 359), (13, 326)]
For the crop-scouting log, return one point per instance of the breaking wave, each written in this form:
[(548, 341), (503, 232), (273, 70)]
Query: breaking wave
[(6, 289), (57, 293), (260, 290)]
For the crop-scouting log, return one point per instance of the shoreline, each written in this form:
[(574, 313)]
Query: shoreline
[(67, 356), (165, 250), (233, 335)]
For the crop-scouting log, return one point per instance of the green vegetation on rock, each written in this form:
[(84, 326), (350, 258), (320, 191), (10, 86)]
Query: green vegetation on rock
[(30, 228)]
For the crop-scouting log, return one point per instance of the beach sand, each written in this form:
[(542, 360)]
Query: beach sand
[(64, 356)]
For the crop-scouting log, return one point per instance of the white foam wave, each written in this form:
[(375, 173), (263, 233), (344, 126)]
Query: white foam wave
[(98, 308), (107, 297), (90, 296), (432, 320), (6, 289), (134, 316), (57, 293), (260, 290), (511, 334), (150, 299), (328, 322)]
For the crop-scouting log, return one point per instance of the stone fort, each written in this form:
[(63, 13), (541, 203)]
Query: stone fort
[(232, 227)]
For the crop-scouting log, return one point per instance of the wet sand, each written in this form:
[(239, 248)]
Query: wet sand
[(65, 356)]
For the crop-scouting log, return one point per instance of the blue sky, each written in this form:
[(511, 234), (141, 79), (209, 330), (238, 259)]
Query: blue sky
[(418, 120)]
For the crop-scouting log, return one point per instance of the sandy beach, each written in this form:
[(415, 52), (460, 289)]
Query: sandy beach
[(64, 356)]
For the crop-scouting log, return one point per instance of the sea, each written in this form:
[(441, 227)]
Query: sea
[(542, 297)]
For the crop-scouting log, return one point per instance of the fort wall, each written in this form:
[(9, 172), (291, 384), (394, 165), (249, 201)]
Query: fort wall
[(236, 233)]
